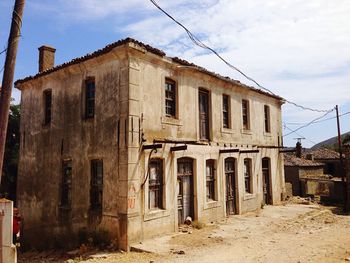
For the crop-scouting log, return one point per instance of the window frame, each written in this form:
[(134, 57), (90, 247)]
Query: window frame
[(155, 186), (206, 134), (226, 111), (90, 98), (47, 95), (96, 185), (245, 114), (267, 119), (247, 172), (66, 184), (170, 98), (210, 180)]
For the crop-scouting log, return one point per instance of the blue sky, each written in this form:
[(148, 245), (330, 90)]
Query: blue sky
[(298, 49)]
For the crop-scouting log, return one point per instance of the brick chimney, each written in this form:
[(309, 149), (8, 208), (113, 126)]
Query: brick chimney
[(298, 149), (46, 58)]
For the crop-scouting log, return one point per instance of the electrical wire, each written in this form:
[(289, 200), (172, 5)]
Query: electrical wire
[(286, 127), (302, 123), (3, 51), (199, 43), (309, 123)]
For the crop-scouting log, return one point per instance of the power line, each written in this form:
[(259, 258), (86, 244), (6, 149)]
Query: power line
[(199, 43), (3, 51), (309, 123), (302, 123), (285, 126)]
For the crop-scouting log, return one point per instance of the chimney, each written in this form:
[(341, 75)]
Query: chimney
[(298, 149), (310, 156), (46, 58)]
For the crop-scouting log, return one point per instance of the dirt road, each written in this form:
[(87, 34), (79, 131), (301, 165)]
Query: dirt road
[(290, 233)]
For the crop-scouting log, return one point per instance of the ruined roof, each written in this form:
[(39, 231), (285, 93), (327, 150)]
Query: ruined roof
[(150, 49), (292, 160), (324, 153)]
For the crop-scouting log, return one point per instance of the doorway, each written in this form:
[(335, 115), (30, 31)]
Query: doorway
[(230, 173), (267, 200), (185, 189)]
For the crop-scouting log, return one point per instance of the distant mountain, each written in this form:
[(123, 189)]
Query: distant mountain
[(332, 142)]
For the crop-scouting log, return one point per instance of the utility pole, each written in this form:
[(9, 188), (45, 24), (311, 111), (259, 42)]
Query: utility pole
[(9, 70), (341, 160)]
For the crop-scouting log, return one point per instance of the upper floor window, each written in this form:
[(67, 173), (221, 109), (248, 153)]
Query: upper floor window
[(89, 98), (267, 118), (155, 188), (48, 106), (66, 185), (226, 111), (96, 184), (170, 98), (248, 175), (210, 179), (203, 104), (245, 114)]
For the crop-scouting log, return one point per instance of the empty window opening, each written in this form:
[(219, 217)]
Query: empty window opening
[(170, 98), (245, 114), (96, 185), (155, 188), (48, 106), (210, 179), (248, 175), (226, 111), (90, 98), (66, 185)]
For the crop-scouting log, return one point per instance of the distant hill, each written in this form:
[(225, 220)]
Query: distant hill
[(332, 142)]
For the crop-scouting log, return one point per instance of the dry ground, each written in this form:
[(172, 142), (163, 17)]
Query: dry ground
[(288, 233)]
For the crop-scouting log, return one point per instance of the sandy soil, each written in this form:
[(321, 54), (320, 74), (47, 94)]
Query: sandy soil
[(289, 233)]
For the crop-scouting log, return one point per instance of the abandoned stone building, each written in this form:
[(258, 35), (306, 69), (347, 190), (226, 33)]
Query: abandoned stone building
[(129, 140)]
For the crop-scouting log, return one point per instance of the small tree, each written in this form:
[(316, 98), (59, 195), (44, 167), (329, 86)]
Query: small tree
[(9, 171)]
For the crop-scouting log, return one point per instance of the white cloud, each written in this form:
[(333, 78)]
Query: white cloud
[(297, 48)]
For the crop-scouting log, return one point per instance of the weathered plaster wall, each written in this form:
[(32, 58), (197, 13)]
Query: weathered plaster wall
[(149, 75), (70, 136)]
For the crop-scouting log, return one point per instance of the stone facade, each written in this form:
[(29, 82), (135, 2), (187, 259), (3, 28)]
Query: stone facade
[(165, 137)]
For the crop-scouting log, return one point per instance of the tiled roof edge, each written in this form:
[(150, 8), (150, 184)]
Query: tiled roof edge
[(150, 49)]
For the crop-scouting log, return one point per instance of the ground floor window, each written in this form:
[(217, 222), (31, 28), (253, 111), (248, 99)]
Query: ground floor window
[(96, 185), (248, 175), (66, 184), (210, 179), (155, 188)]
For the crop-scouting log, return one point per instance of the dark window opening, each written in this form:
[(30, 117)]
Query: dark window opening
[(170, 98), (203, 114), (267, 118), (48, 106), (89, 98), (225, 111), (245, 114), (210, 179), (248, 175), (96, 184), (155, 189), (66, 186)]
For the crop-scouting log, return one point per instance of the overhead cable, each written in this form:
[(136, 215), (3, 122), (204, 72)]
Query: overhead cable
[(309, 123), (286, 127), (199, 43), (331, 118)]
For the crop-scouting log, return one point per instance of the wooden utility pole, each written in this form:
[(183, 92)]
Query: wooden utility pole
[(9, 70), (342, 170)]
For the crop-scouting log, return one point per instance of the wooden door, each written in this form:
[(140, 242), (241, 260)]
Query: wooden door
[(203, 114), (266, 181), (230, 167), (185, 189)]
